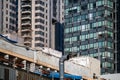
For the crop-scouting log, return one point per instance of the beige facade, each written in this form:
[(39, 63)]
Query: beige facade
[(8, 20), (37, 21), (8, 14)]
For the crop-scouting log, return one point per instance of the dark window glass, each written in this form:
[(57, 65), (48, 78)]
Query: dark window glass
[(39, 45), (39, 20), (39, 8), (39, 14), (39, 26), (39, 32), (39, 2), (39, 39)]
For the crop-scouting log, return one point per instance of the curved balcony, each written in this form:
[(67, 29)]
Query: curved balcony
[(27, 44), (26, 10), (26, 17), (26, 5), (26, 30), (26, 23), (27, 36)]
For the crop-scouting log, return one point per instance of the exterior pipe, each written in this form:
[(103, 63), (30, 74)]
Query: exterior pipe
[(61, 66)]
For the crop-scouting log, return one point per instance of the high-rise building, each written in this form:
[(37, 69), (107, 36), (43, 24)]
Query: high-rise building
[(37, 19), (8, 17), (92, 29), (8, 20)]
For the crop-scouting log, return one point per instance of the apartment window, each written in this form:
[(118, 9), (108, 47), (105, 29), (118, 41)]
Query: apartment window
[(39, 39), (12, 14), (83, 47), (6, 31), (39, 14), (6, 5), (109, 24), (109, 3), (12, 21), (110, 44), (82, 38), (71, 1), (75, 18), (101, 44), (73, 11), (11, 27), (66, 2), (6, 18), (39, 32), (91, 45), (90, 16), (39, 45), (90, 6), (39, 8), (66, 49), (39, 2), (74, 38), (108, 13), (13, 1), (107, 65), (39, 26), (39, 20), (100, 3), (12, 8), (84, 17), (6, 25), (84, 7), (6, 11), (62, 18)]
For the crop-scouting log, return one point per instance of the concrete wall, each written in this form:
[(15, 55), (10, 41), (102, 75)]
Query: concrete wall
[(51, 60), (88, 70), (16, 49), (111, 76)]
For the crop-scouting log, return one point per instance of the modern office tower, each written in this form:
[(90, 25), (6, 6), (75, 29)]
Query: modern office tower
[(8, 17), (37, 19), (92, 29)]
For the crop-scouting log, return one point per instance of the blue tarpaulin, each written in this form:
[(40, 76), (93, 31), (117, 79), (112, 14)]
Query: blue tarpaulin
[(56, 75)]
